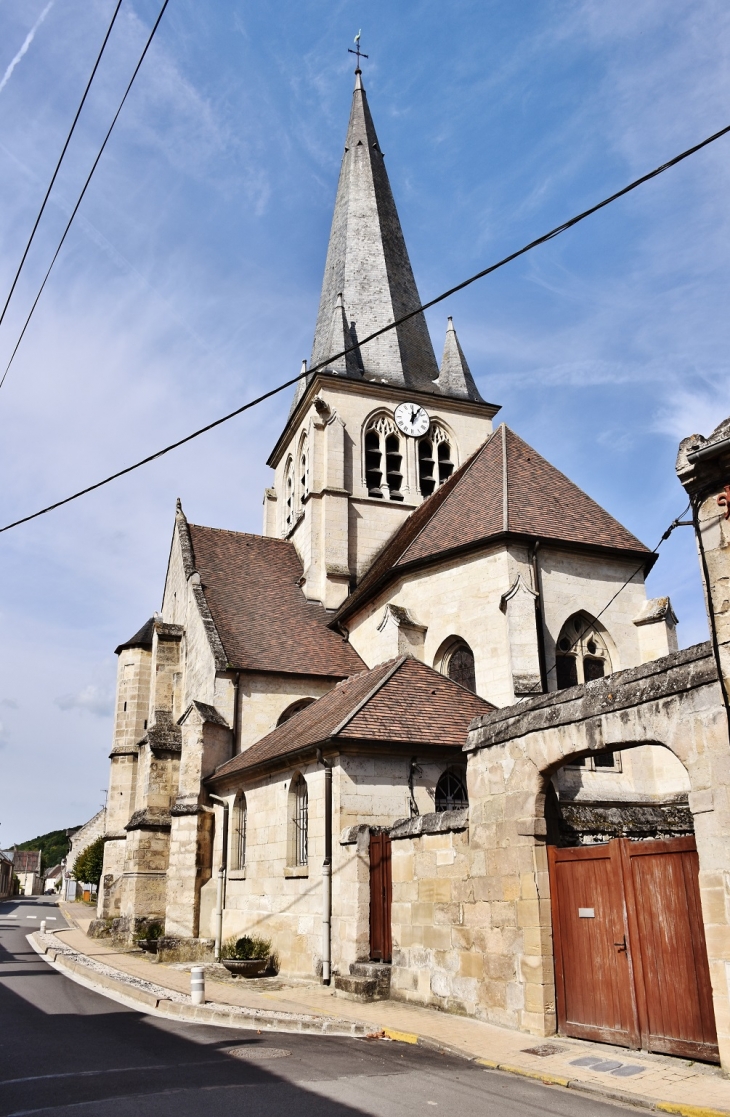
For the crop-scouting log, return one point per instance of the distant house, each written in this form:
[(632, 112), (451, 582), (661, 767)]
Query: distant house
[(6, 876), (79, 840), (51, 879), (27, 868)]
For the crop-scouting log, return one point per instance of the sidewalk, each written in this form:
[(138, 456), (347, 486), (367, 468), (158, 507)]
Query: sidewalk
[(637, 1078)]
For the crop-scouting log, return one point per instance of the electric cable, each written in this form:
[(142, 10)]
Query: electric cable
[(678, 522), (85, 187), (377, 333), (58, 164)]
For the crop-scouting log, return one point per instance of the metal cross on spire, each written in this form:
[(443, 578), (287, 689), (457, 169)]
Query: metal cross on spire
[(358, 52)]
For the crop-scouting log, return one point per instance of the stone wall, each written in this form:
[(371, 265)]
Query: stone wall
[(284, 903)]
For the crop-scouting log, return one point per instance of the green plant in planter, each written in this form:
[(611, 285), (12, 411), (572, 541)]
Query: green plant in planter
[(246, 947), (151, 931)]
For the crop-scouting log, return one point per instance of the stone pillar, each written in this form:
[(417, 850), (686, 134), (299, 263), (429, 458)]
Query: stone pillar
[(518, 605), (703, 467), (206, 744), (130, 724), (657, 625), (143, 885)]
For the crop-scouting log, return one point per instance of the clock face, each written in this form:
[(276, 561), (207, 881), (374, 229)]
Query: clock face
[(412, 419)]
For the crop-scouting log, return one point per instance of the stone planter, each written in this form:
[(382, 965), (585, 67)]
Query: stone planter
[(249, 967)]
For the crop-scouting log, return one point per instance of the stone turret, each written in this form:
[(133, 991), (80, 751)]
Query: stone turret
[(455, 379)]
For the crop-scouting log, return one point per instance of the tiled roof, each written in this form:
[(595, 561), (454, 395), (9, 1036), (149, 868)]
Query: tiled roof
[(505, 488), (27, 861), (402, 700), (264, 621), (141, 639)]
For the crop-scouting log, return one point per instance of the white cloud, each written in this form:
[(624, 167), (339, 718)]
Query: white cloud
[(96, 700), (9, 703), (24, 48)]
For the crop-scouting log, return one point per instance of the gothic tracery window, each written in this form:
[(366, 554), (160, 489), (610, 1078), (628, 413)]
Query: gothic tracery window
[(581, 652), (451, 792), (456, 660), (435, 463), (383, 459), (303, 472)]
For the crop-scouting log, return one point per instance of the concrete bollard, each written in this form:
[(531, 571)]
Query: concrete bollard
[(197, 985), (43, 926)]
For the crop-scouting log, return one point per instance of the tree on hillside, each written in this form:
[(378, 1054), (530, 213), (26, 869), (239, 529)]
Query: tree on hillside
[(89, 863)]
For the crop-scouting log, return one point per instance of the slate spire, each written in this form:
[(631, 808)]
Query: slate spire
[(368, 264), (455, 379)]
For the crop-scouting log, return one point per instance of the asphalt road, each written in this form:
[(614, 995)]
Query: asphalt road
[(67, 1051)]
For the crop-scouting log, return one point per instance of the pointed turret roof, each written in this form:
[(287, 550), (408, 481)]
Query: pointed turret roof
[(455, 379), (368, 265), (506, 489)]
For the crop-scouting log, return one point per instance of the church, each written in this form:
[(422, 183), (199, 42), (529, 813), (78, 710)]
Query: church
[(296, 717)]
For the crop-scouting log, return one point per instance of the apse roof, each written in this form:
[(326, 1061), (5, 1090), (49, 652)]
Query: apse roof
[(401, 701)]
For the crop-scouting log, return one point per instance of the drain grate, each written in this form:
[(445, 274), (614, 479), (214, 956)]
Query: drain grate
[(544, 1049), (257, 1054)]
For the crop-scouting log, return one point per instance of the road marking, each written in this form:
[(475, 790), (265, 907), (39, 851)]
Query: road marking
[(50, 918), (31, 917)]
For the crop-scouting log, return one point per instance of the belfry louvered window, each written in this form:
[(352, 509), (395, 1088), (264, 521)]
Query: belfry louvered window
[(289, 497), (383, 460), (434, 460), (298, 821)]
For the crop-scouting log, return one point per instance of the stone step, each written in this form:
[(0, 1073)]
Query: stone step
[(376, 971), (354, 988)]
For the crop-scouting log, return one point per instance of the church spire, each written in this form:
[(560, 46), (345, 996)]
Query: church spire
[(455, 379), (368, 264)]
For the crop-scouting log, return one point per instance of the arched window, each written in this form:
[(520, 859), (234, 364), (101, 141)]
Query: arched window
[(434, 460), (238, 845), (458, 663), (383, 459), (289, 497), (290, 711), (298, 821), (451, 790), (581, 653)]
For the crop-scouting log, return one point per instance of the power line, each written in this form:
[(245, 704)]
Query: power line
[(678, 522), (85, 187), (58, 164), (377, 333)]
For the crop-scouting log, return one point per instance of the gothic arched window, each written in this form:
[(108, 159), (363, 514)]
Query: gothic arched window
[(298, 824), (238, 846), (451, 792), (383, 459), (455, 659), (435, 463), (581, 654)]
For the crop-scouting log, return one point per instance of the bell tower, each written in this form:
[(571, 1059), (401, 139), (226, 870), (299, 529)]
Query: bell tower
[(373, 433)]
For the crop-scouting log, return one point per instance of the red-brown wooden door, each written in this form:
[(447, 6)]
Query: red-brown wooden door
[(654, 989), (381, 890), (593, 978), (667, 934)]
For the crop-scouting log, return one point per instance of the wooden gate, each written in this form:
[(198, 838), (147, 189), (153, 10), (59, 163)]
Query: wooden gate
[(630, 957), (381, 891)]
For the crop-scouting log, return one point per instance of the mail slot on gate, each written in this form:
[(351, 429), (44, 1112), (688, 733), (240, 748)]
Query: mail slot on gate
[(586, 913)]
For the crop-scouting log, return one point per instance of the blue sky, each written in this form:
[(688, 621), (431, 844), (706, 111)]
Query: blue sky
[(190, 283)]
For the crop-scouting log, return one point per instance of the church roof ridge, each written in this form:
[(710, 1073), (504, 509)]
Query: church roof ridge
[(505, 489)]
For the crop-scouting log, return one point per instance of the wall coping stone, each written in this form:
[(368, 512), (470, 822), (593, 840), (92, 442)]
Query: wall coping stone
[(436, 822), (676, 673)]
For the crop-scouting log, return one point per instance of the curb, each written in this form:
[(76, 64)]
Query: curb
[(225, 1016), (222, 1016)]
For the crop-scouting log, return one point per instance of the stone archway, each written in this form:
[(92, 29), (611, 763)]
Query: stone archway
[(674, 701)]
